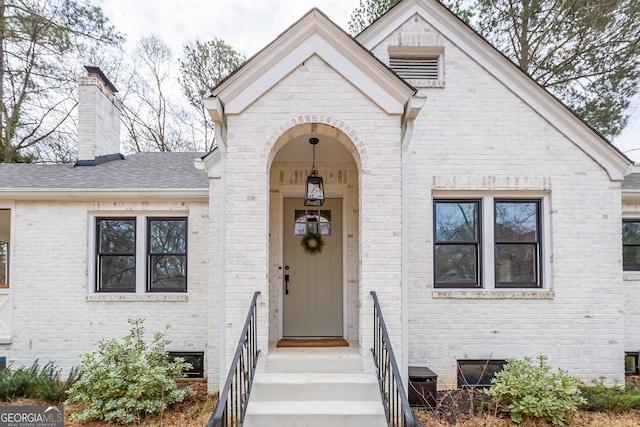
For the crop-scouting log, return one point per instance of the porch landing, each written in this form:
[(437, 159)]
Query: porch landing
[(312, 386)]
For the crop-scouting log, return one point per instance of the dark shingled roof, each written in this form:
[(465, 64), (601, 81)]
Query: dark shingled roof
[(631, 182), (138, 171)]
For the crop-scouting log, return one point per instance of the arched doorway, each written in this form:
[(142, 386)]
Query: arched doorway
[(314, 295)]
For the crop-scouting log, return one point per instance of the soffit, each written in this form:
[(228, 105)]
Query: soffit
[(493, 61), (314, 34)]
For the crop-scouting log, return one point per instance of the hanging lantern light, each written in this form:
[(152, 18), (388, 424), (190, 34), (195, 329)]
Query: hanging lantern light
[(314, 194)]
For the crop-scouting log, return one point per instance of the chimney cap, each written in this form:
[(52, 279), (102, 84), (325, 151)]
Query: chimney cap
[(98, 72)]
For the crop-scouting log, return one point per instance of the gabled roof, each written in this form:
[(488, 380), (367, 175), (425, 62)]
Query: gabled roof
[(313, 34), (493, 61), (144, 173)]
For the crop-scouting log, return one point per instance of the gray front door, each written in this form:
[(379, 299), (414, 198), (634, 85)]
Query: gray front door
[(313, 294)]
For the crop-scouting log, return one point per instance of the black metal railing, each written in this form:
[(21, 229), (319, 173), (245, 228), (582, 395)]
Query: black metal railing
[(394, 398), (232, 404)]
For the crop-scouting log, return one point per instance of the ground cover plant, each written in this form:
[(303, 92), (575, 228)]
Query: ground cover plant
[(35, 382)]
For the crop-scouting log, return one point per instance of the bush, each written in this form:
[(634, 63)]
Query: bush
[(527, 389), (614, 399), (35, 382), (125, 380)]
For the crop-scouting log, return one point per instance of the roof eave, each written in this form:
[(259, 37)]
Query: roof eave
[(314, 33), (74, 194)]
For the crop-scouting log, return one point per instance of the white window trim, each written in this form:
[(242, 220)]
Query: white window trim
[(488, 289), (628, 275), (141, 258)]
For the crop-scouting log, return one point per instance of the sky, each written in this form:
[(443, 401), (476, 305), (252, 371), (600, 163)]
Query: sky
[(249, 25)]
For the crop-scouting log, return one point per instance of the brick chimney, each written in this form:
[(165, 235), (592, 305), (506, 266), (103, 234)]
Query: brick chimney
[(98, 120)]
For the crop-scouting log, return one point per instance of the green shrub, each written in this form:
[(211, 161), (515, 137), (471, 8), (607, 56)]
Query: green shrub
[(528, 389), (614, 399), (35, 382), (125, 380)]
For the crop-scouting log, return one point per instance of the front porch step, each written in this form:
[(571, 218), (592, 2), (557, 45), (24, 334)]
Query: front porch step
[(315, 414), (309, 387), (317, 386), (330, 360)]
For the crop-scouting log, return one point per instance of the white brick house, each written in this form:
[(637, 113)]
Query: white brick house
[(484, 213)]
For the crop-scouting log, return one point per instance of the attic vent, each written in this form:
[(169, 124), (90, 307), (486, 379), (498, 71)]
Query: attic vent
[(416, 68)]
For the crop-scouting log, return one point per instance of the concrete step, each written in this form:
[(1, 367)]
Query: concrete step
[(314, 386), (315, 414), (309, 387), (313, 360)]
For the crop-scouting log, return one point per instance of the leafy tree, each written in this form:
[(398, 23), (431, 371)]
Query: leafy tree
[(586, 52), (40, 46), (203, 67)]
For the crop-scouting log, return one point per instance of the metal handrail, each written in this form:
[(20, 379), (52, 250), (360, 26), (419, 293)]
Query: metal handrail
[(232, 404), (394, 398)]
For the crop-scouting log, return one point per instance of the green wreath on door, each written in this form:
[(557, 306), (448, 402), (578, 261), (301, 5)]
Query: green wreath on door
[(312, 243)]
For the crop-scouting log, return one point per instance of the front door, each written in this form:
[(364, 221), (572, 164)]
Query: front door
[(312, 278)]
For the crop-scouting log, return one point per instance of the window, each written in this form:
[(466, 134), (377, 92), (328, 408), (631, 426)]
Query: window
[(5, 244), (116, 255), (457, 243), (478, 373), (167, 249), (195, 358), (4, 262), (495, 242), (631, 363), (124, 245), (312, 221), (517, 243), (631, 245)]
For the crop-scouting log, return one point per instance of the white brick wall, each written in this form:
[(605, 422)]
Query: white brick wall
[(313, 93), (475, 135), (52, 318)]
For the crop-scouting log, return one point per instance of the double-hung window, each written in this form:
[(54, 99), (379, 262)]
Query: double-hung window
[(116, 255), (124, 264), (487, 242), (457, 243), (167, 254), (517, 243), (631, 245)]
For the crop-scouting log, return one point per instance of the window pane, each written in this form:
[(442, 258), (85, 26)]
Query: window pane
[(117, 236), (117, 273), (516, 263), (4, 257), (631, 232), (478, 373), (456, 264), (456, 221), (168, 272), (516, 221), (631, 257), (325, 229), (168, 236)]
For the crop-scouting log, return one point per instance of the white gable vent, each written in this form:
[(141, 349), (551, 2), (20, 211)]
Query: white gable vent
[(416, 68), (421, 66)]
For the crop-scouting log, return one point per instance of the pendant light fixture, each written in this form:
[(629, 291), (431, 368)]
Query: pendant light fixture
[(314, 194)]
